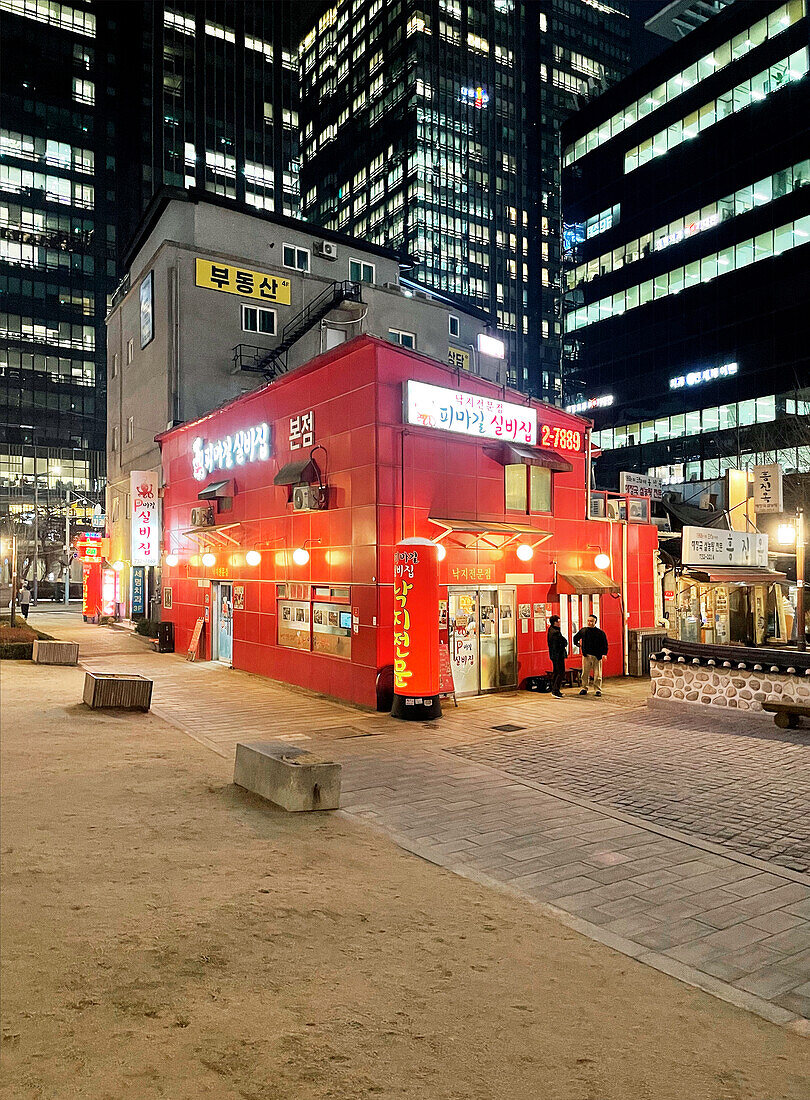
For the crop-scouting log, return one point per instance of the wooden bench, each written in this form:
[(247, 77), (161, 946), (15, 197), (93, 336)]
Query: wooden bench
[(110, 690), (787, 716), (55, 653), (288, 776)]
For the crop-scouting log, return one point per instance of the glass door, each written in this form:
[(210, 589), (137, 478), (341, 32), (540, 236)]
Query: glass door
[(507, 638), (488, 633), (463, 631), (223, 626)]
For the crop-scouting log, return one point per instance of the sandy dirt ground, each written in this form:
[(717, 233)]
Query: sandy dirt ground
[(167, 935)]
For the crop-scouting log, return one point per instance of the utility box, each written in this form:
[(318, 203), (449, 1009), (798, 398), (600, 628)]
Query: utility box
[(643, 643), (165, 638)]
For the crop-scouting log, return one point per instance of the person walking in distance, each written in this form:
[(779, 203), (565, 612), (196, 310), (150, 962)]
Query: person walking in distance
[(25, 600), (593, 644), (557, 649)]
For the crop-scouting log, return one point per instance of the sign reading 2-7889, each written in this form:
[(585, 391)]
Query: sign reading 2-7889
[(560, 439)]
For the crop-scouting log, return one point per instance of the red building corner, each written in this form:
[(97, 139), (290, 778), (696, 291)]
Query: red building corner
[(282, 510)]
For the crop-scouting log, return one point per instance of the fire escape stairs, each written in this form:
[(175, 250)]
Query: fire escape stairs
[(273, 362)]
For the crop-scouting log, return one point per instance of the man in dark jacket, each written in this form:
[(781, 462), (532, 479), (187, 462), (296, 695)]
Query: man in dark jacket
[(594, 646), (557, 649)]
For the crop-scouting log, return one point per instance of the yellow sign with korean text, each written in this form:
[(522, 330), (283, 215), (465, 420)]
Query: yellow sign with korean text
[(458, 358), (241, 281)]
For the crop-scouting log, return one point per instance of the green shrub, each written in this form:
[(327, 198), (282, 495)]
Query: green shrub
[(147, 628)]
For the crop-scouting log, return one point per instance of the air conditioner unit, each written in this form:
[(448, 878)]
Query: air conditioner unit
[(326, 249), (202, 517), (613, 509), (306, 498)]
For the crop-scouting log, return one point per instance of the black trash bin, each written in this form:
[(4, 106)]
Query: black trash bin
[(165, 637)]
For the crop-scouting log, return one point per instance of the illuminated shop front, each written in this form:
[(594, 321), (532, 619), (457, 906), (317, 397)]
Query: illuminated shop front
[(726, 593), (282, 511)]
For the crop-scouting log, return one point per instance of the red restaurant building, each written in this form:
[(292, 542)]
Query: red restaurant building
[(282, 509)]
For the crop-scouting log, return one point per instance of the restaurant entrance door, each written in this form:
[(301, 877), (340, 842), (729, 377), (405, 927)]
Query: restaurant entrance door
[(222, 633), (483, 639)]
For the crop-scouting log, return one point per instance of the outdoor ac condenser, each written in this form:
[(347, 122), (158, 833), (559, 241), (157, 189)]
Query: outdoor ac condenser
[(306, 498), (202, 517)]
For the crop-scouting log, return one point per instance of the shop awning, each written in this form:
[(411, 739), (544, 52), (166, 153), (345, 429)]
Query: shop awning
[(216, 489), (492, 533), (298, 473), (513, 454), (735, 576), (586, 583)]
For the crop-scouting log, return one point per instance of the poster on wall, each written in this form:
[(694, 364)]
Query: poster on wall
[(145, 518), (167, 598), (239, 597)]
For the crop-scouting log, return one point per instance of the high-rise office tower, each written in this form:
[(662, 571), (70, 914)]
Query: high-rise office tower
[(57, 245), (115, 101), (431, 126)]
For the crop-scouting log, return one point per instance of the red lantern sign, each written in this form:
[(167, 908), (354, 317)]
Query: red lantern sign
[(416, 630)]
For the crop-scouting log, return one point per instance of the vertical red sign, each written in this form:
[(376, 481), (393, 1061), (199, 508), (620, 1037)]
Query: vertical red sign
[(416, 630)]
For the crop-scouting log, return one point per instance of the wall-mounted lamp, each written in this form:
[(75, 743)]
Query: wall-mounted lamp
[(172, 559), (524, 551), (786, 534), (602, 561), (253, 557), (301, 555), (118, 566), (209, 559), (441, 551)]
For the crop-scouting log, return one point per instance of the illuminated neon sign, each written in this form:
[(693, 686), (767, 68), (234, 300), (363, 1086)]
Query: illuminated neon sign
[(697, 377), (603, 402), (688, 231), (475, 97), (250, 445), (468, 413)]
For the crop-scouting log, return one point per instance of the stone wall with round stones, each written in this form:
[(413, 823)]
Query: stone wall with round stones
[(741, 688)]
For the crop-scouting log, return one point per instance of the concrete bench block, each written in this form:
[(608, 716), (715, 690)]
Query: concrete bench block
[(55, 653), (110, 690), (290, 777)]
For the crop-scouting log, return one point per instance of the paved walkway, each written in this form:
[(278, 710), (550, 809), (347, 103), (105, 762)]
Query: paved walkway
[(639, 830)]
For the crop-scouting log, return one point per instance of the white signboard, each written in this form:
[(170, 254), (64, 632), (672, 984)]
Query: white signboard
[(709, 546), (145, 517), (250, 445), (468, 413), (768, 489), (640, 485)]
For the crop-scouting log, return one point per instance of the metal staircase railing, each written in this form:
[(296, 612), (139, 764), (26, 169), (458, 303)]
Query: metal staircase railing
[(268, 361)]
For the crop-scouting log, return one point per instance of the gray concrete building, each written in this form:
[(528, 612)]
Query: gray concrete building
[(217, 301)]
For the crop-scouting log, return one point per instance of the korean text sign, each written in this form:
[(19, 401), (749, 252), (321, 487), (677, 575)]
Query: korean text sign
[(145, 517), (416, 618), (429, 406), (240, 280), (712, 546), (768, 489)]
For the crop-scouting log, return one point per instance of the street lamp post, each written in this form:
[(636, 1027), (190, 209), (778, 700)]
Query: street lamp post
[(35, 586), (800, 632)]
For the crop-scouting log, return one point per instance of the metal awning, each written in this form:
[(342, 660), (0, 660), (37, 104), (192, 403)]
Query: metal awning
[(216, 489), (515, 454), (297, 473), (492, 533), (585, 583), (216, 536), (742, 575)]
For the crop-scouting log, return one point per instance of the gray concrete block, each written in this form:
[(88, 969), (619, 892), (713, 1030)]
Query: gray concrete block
[(55, 653), (288, 776)]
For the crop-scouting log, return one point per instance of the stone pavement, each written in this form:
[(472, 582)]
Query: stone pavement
[(637, 830)]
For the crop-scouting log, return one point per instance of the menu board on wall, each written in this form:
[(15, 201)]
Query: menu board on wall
[(293, 624), (331, 630)]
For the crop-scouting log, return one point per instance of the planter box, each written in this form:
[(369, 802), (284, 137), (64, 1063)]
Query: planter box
[(291, 778), (55, 653), (110, 690)]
